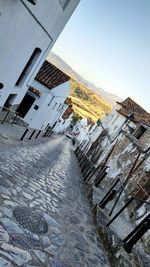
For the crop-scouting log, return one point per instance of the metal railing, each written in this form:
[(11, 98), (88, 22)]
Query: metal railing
[(12, 117), (121, 206)]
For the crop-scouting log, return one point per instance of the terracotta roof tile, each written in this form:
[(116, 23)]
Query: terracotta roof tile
[(128, 107), (67, 113), (51, 76)]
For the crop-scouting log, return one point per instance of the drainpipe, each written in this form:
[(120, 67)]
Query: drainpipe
[(53, 96)]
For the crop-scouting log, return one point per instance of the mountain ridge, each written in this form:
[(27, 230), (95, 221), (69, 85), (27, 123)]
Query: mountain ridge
[(62, 65)]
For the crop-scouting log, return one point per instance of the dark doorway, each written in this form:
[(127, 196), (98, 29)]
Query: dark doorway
[(25, 105), (9, 101)]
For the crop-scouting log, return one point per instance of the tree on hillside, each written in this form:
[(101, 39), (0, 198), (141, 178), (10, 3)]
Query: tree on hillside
[(98, 122), (76, 117)]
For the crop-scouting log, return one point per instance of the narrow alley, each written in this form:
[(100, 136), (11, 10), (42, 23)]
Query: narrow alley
[(45, 219)]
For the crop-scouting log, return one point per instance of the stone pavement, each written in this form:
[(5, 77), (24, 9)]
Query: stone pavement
[(45, 218), (11, 132)]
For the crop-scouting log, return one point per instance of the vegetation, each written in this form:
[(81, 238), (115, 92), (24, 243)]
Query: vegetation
[(86, 103), (75, 118)]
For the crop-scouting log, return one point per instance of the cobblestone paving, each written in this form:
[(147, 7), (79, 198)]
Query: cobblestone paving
[(45, 219)]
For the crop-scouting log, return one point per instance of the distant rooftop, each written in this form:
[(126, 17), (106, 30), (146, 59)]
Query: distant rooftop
[(129, 106), (51, 76), (67, 112)]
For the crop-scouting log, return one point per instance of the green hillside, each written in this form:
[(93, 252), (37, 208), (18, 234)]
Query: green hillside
[(86, 103)]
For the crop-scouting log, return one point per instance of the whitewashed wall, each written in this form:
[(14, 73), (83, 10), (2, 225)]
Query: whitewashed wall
[(49, 103), (63, 125), (113, 122), (24, 27), (81, 130)]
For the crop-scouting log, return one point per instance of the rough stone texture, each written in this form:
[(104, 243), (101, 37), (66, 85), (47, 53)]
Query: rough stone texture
[(30, 220), (4, 237), (113, 235), (43, 176), (5, 263), (16, 255)]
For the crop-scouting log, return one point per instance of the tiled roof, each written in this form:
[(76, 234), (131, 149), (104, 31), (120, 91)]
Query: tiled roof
[(67, 112), (128, 107), (68, 101), (51, 76)]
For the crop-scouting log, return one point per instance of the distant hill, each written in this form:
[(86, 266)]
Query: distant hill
[(61, 64), (86, 103)]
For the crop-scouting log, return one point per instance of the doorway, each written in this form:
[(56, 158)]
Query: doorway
[(25, 105), (9, 101)]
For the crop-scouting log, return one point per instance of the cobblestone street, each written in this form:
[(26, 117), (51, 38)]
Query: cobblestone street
[(45, 219)]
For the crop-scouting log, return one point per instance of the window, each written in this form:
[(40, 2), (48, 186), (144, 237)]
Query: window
[(54, 106), (51, 100), (59, 107), (1, 85), (139, 132), (36, 107), (9, 101), (28, 67), (33, 2), (47, 126), (64, 3)]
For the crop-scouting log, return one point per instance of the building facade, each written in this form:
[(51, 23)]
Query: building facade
[(115, 162), (121, 142), (65, 120), (28, 31), (45, 101)]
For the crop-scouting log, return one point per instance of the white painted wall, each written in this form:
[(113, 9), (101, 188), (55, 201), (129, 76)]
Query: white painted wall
[(51, 14), (113, 122), (51, 105), (23, 27), (95, 133), (81, 130), (62, 125)]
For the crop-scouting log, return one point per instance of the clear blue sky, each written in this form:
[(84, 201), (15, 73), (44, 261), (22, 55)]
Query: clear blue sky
[(108, 43)]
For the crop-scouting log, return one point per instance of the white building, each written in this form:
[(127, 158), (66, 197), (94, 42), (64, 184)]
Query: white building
[(65, 120), (45, 102), (28, 30), (81, 129), (123, 119), (63, 124)]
